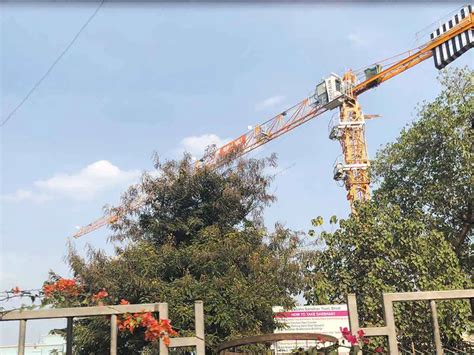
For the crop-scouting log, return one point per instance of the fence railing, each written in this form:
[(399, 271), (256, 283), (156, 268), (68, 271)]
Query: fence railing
[(389, 330), (113, 311)]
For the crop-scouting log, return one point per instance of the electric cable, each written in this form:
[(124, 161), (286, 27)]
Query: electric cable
[(38, 83)]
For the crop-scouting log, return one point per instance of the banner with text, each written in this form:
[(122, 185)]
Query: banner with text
[(323, 319)]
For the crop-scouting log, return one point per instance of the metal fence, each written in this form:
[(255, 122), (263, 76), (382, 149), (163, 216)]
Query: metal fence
[(389, 330), (113, 311), (231, 347)]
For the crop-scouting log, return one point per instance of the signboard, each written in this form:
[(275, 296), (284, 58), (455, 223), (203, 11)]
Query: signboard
[(323, 319)]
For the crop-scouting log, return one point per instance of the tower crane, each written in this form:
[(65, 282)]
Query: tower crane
[(446, 43)]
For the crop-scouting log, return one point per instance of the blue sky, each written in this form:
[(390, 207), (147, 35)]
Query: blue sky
[(171, 78)]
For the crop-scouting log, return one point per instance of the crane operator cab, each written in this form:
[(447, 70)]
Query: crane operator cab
[(329, 93)]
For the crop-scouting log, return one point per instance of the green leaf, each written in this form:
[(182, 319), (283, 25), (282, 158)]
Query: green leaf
[(318, 221)]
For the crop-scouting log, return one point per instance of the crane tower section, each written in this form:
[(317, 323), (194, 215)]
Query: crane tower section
[(349, 130)]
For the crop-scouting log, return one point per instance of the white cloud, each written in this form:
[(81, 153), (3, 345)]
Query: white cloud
[(269, 102), (196, 145), (356, 39), (82, 185), (19, 195)]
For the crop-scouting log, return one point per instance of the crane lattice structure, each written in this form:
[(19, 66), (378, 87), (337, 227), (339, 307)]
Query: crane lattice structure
[(450, 40)]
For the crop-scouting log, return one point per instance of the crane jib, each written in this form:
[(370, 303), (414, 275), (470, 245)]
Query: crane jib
[(448, 51), (445, 42)]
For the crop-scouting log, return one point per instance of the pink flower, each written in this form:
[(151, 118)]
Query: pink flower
[(352, 339), (344, 330), (348, 336)]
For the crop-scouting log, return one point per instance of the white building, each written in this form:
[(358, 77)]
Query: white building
[(47, 345)]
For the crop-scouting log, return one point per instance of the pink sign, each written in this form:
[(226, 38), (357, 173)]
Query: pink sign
[(312, 314)]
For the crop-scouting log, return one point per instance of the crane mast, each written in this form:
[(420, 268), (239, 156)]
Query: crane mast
[(449, 41), (354, 171)]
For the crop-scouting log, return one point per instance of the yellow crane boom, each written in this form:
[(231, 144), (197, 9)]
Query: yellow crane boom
[(448, 42), (420, 54)]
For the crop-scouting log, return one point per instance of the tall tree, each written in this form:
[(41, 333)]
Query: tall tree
[(380, 250), (198, 236), (430, 166)]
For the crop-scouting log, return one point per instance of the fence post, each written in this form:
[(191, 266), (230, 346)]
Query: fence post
[(113, 334), (22, 337), (163, 314), (353, 314), (353, 317), (390, 323), (69, 336), (199, 326), (437, 337)]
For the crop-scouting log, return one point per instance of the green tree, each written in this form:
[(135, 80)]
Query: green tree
[(198, 236), (381, 250), (429, 167)]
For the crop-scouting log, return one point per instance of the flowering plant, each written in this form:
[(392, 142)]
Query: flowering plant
[(357, 339), (155, 329), (63, 287), (72, 292), (354, 339)]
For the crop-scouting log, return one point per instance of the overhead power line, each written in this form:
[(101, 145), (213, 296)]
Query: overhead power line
[(56, 61)]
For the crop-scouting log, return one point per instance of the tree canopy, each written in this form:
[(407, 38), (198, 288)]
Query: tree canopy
[(381, 250), (199, 236), (430, 168)]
